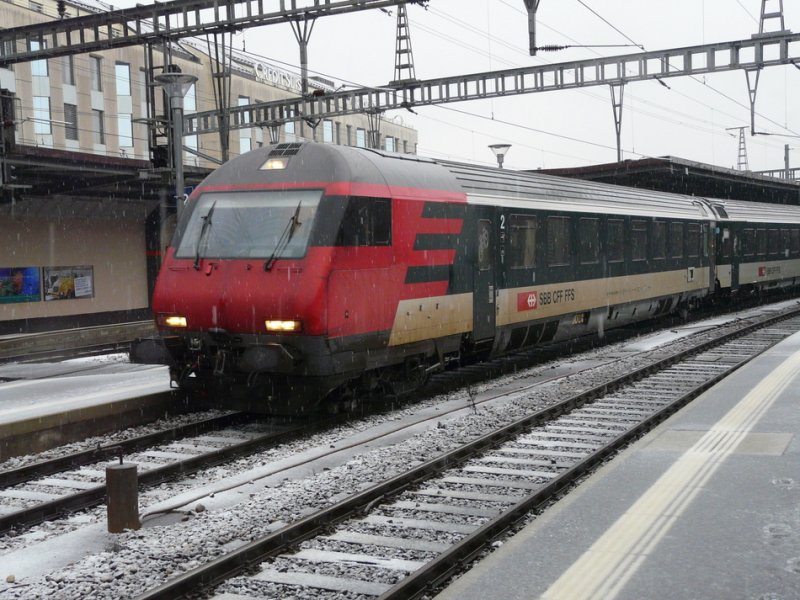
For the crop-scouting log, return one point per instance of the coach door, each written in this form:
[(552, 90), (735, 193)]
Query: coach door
[(483, 303)]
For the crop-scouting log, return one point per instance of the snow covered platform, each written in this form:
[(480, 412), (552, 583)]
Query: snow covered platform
[(45, 405), (705, 506)]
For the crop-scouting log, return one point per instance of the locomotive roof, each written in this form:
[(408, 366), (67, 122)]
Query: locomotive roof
[(312, 162)]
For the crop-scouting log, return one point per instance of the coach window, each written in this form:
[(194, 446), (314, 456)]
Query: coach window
[(616, 240), (749, 242), (522, 242), (659, 239), (558, 241), (761, 241), (794, 241), (676, 240), (639, 240), (784, 249), (588, 241), (693, 240), (773, 241), (366, 222)]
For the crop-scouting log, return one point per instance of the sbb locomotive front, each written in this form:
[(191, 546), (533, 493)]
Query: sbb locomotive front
[(307, 272)]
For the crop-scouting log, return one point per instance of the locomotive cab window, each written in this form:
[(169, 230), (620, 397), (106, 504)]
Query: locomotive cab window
[(262, 224), (366, 222)]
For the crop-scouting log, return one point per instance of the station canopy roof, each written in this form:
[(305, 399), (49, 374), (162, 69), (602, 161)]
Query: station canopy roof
[(50, 182), (676, 175)]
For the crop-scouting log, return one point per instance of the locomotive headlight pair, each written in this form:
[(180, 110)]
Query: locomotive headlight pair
[(283, 326), (176, 321)]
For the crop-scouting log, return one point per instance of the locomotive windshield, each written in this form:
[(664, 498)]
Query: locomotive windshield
[(263, 224)]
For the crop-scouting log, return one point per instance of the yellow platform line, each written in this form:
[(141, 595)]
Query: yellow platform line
[(604, 569)]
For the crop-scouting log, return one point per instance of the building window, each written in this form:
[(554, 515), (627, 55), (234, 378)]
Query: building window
[(245, 116), (68, 70), (125, 130), (41, 115), (122, 72), (38, 67), (96, 73), (288, 127), (361, 137), (522, 242), (327, 131), (71, 121), (388, 144), (36, 6), (98, 127), (245, 143)]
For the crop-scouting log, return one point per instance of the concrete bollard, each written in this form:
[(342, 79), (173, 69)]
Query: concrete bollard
[(122, 497)]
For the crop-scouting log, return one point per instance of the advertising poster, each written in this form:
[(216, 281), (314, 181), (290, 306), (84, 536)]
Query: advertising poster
[(20, 284), (65, 283)]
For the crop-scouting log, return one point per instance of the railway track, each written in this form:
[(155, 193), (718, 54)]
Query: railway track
[(404, 536), (51, 488)]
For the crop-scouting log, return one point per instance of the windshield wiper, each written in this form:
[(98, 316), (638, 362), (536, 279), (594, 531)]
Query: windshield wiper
[(286, 237), (203, 232)]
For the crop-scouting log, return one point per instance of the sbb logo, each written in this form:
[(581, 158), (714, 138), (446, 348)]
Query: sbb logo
[(527, 300)]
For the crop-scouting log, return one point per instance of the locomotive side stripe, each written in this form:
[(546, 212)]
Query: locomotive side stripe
[(436, 241), (427, 274), (425, 318), (547, 301)]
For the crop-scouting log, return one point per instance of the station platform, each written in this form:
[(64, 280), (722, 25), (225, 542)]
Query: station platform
[(707, 505)]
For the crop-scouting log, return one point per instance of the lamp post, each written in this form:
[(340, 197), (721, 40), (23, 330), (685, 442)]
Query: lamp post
[(500, 151), (176, 85)]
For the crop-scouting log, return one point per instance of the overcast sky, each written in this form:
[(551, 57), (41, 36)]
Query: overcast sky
[(688, 119)]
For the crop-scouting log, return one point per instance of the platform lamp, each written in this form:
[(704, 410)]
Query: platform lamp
[(500, 151), (176, 85)]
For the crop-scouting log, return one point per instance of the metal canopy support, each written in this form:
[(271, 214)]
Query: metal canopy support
[(532, 6), (169, 20), (616, 105), (775, 13), (221, 69), (404, 57), (752, 75), (302, 32), (695, 60), (374, 119), (742, 163)]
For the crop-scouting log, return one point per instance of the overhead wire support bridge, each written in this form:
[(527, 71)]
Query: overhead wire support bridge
[(755, 53), (163, 21)]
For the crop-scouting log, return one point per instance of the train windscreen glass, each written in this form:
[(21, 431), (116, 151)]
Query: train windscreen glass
[(262, 224)]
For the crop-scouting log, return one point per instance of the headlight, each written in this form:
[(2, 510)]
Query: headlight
[(283, 326), (175, 321)]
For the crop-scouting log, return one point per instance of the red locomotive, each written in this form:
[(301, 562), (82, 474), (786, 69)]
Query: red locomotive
[(304, 272)]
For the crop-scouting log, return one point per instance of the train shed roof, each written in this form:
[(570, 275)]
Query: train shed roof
[(676, 175)]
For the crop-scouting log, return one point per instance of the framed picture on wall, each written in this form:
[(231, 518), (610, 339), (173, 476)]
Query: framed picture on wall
[(20, 284), (68, 283)]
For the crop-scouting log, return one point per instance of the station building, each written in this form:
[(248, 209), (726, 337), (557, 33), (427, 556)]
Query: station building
[(87, 202)]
